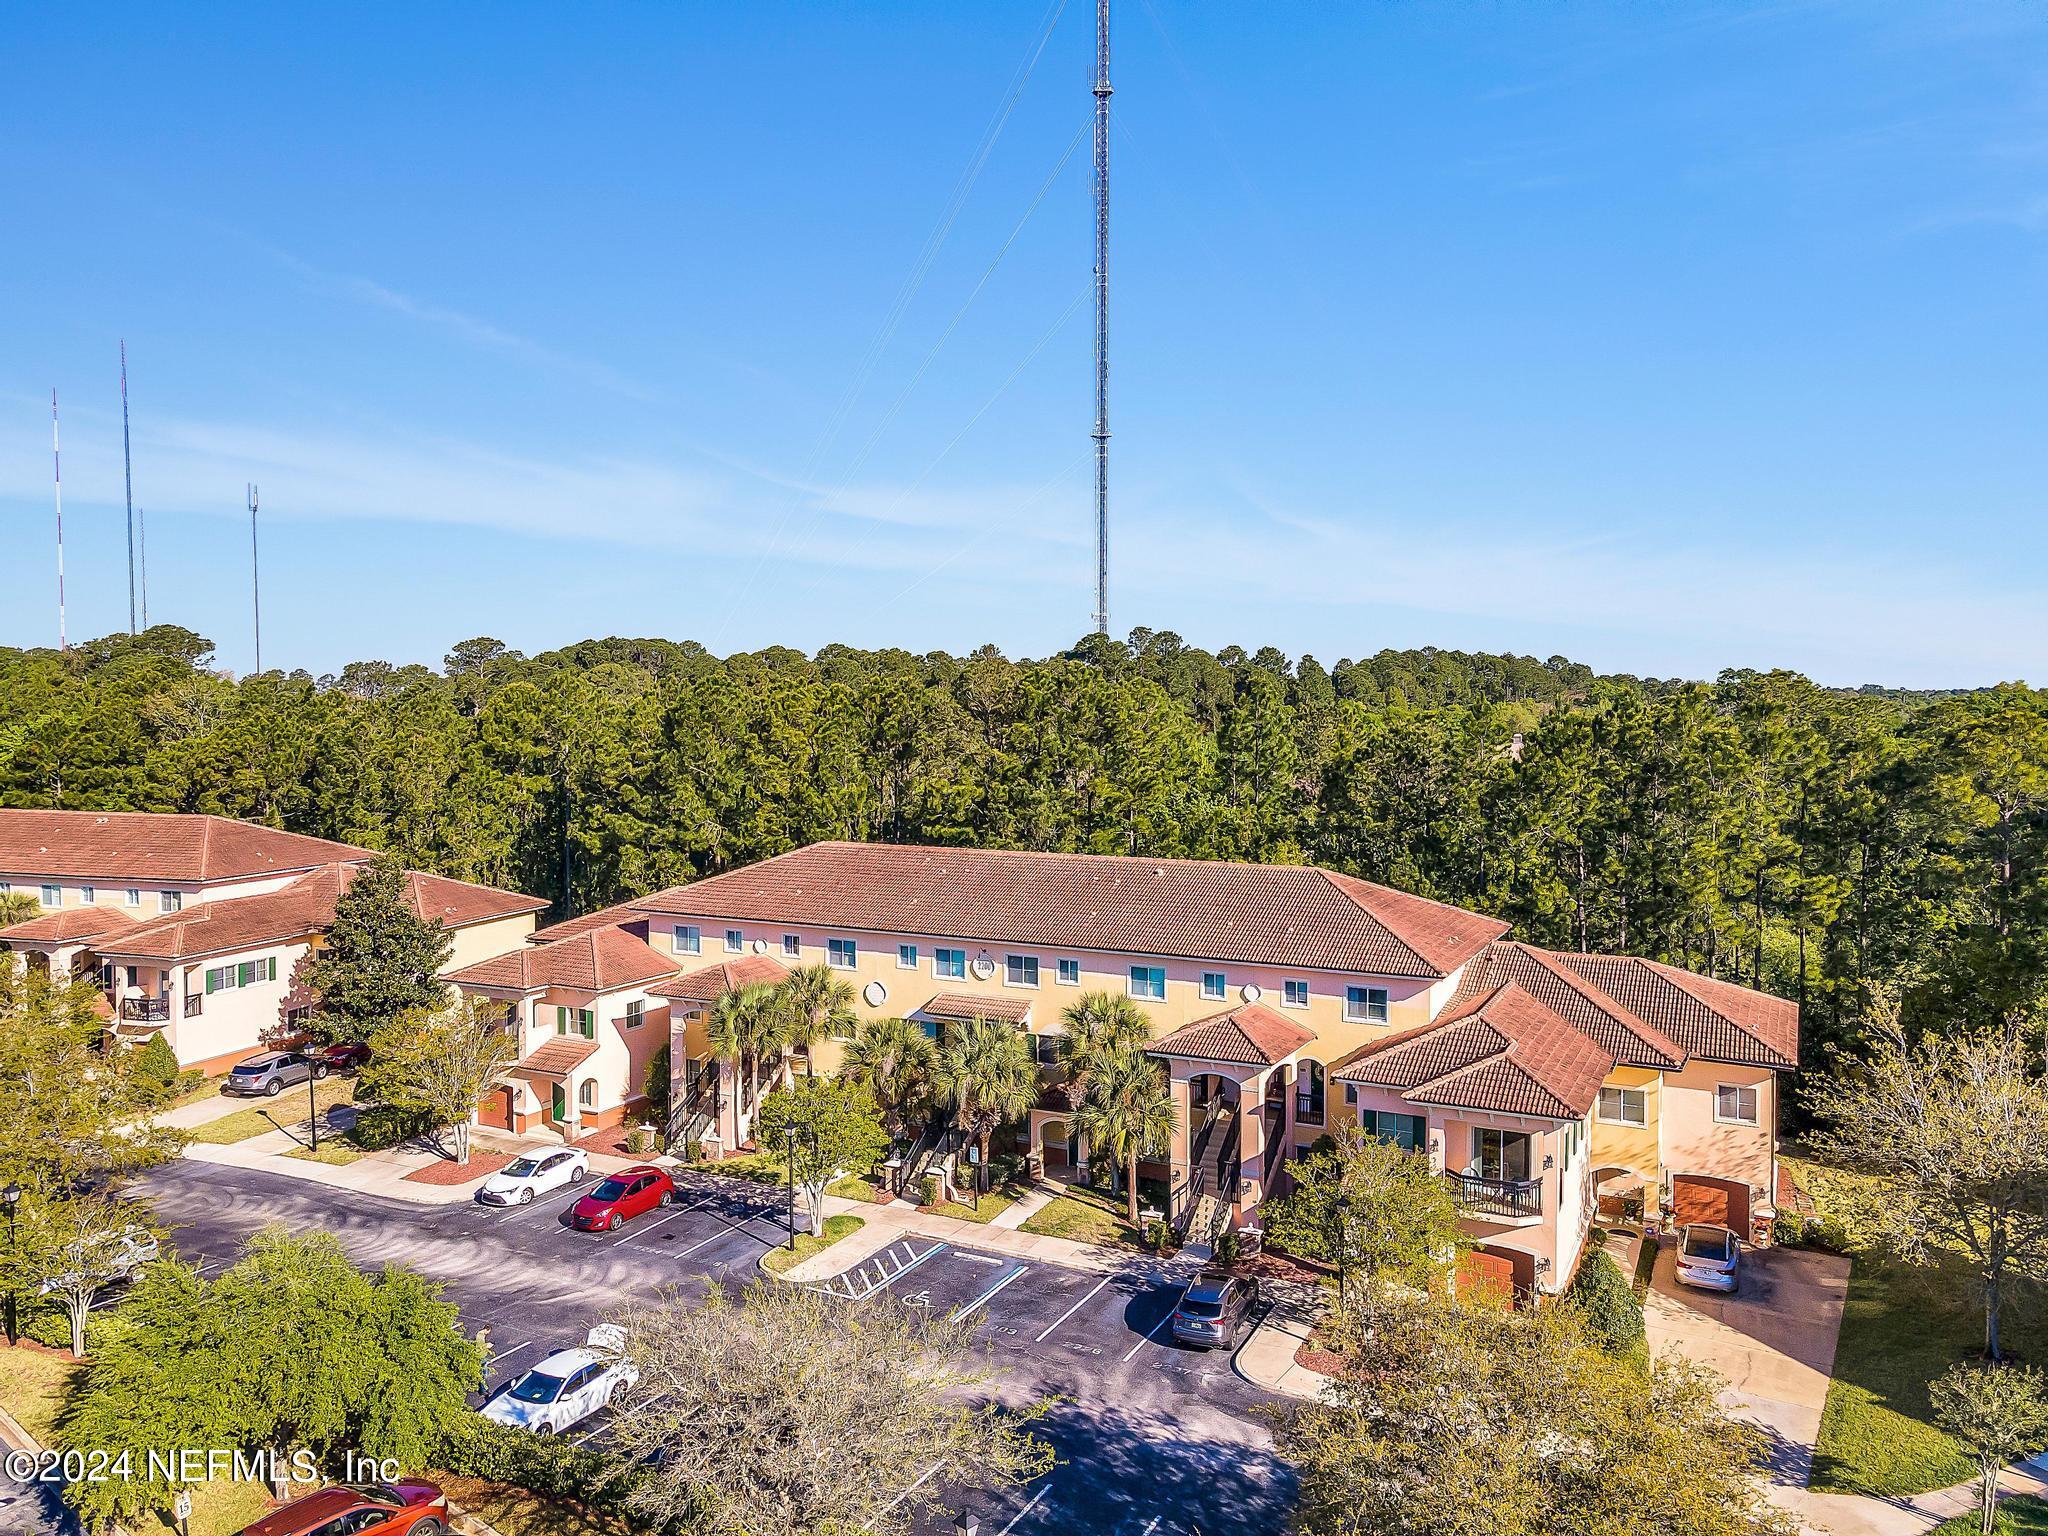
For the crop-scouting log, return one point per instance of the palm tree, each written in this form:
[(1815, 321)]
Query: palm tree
[(744, 1025), (1100, 1026), (1128, 1113), (18, 907), (987, 1075), (894, 1058), (815, 1003)]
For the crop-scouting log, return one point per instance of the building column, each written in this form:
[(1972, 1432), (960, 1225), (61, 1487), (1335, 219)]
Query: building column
[(1251, 1140), (1180, 1151)]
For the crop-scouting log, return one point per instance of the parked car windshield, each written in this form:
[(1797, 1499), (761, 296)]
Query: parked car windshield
[(255, 1068), (521, 1167), (537, 1387), (377, 1493), (610, 1189), (1705, 1243)]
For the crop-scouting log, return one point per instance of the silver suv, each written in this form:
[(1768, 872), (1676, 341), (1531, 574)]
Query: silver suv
[(270, 1073)]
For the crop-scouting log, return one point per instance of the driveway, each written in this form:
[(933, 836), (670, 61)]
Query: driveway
[(1774, 1340)]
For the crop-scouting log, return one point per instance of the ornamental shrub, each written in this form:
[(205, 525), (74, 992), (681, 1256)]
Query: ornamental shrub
[(381, 1126), (155, 1066), (1601, 1295)]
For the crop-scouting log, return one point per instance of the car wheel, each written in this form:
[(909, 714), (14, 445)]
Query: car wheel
[(579, 1175), (668, 1197), (319, 1072), (526, 1196), (543, 1429), (427, 1527), (272, 1089)]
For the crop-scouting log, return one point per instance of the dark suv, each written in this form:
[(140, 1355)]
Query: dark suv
[(270, 1073), (1214, 1308)]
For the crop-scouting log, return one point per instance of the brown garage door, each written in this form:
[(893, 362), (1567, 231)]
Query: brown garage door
[(496, 1109), (1498, 1275), (1723, 1202)]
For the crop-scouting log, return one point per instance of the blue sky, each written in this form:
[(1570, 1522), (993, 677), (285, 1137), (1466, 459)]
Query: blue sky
[(1670, 338)]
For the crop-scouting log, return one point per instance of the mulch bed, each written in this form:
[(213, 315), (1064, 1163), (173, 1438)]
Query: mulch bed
[(1268, 1265), (1310, 1356), (480, 1165), (611, 1141)]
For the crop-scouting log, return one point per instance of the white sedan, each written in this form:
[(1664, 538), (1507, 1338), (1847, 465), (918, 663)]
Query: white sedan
[(567, 1387), (519, 1181)]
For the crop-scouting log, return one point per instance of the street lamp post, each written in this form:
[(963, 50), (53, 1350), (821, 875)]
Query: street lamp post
[(313, 1103), (789, 1156), (11, 1195), (1343, 1207)]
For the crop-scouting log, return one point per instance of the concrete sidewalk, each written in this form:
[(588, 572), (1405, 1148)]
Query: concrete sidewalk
[(1266, 1359), (886, 1224), (1851, 1514), (374, 1173)]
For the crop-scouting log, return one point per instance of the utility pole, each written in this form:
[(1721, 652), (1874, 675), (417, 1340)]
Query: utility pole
[(57, 470), (128, 485), (255, 579), (142, 548), (1102, 317)]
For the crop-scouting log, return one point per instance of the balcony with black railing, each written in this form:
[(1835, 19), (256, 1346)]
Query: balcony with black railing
[(1499, 1199), (146, 1010)]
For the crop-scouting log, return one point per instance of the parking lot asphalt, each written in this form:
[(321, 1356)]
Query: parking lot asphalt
[(1153, 1438)]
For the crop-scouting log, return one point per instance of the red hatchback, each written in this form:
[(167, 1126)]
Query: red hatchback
[(407, 1508), (621, 1197)]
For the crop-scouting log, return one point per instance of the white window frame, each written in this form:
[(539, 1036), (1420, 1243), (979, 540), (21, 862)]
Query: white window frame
[(1373, 998), (1069, 973), (906, 957), (842, 954), (1144, 993), (1621, 1100), (1756, 1104), (132, 897), (735, 940), (1287, 998), (689, 939), (792, 945), (170, 901), (1015, 968), (636, 1012), (52, 895), (942, 958), (88, 894), (1219, 990)]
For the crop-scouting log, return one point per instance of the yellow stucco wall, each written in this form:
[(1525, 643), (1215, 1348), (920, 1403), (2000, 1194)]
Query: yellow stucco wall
[(1628, 1146)]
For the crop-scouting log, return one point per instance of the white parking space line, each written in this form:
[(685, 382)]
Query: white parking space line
[(1149, 1338), (929, 1253), (1077, 1306), (1035, 1498), (648, 1231), (922, 1478), (508, 1353), (684, 1253), (984, 1298), (976, 1258)]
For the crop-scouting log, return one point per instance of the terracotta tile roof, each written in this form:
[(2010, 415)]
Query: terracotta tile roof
[(712, 982), (305, 906), (1631, 1040), (1252, 914), (1249, 1035), (110, 847), (600, 960), (1504, 1051), (69, 925), (557, 1058), (620, 916), (1716, 1020), (965, 1005)]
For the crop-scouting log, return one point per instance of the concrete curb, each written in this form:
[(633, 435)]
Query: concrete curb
[(1266, 1359)]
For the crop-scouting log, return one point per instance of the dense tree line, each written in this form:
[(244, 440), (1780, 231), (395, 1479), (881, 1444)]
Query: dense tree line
[(1819, 843)]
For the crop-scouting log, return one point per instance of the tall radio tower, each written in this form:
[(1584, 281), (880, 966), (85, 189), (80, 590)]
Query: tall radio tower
[(1102, 317), (128, 486)]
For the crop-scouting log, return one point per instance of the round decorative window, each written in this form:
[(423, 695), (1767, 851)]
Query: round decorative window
[(760, 946), (1250, 992), (874, 994), (983, 967)]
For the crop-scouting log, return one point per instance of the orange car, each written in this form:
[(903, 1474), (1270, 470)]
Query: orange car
[(408, 1508)]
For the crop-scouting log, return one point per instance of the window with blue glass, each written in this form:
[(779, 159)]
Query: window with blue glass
[(1365, 1005), (842, 954), (1295, 994), (949, 962), (1148, 982), (688, 941), (1070, 973), (1408, 1132), (906, 957), (1214, 983)]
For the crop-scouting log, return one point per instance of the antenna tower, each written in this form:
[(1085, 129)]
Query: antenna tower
[(57, 470), (1102, 317), (255, 579), (128, 485)]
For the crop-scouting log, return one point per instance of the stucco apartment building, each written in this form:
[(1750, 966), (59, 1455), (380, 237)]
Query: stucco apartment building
[(194, 924), (1285, 1000)]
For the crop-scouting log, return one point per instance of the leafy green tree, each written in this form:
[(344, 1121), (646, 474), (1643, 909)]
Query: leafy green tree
[(1451, 1420), (815, 1004), (1098, 1027), (18, 907), (656, 1085), (1127, 1113), (894, 1060), (442, 1061), (825, 1127), (1608, 1304), (379, 958), (1954, 1130), (1377, 1212), (1999, 1413), (291, 1350), (769, 1412), (70, 1248), (155, 1068), (745, 1025), (987, 1075)]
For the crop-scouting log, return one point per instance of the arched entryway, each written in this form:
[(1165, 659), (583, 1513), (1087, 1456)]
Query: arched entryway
[(1214, 1104), (1060, 1146)]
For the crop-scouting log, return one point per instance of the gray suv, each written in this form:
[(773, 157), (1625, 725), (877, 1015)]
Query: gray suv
[(270, 1073), (1214, 1308)]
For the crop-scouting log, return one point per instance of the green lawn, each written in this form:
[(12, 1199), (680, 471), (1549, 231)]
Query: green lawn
[(993, 1204), (287, 1109), (1089, 1216), (2021, 1515), (334, 1152), (779, 1259), (32, 1387)]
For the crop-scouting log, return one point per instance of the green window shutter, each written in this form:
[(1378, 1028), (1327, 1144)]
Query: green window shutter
[(212, 981), (586, 1019), (561, 1021), (270, 971)]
